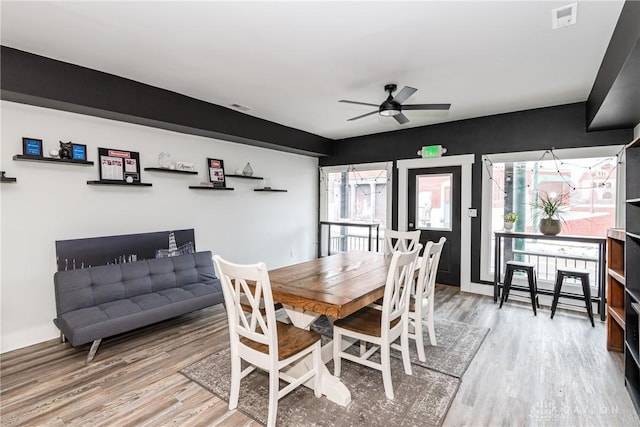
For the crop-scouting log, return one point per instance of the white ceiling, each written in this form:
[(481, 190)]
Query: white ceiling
[(290, 62)]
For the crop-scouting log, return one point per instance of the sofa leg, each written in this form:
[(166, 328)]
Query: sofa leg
[(93, 350), (62, 339)]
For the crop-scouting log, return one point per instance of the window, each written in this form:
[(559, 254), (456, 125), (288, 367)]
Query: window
[(586, 178), (353, 194), (433, 207)]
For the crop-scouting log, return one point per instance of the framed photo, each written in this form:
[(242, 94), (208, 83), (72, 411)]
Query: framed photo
[(32, 147), (216, 172), (79, 152), (118, 165)]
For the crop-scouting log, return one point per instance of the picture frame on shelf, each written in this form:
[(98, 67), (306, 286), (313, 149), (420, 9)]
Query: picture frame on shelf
[(216, 172), (79, 152), (119, 165), (32, 147)]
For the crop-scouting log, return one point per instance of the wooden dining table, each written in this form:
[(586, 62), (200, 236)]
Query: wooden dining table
[(335, 286)]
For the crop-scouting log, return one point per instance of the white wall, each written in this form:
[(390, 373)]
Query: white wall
[(52, 202)]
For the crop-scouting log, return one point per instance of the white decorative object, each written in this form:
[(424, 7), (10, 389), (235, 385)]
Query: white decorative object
[(248, 170), (54, 153), (129, 180), (164, 160), (508, 226), (184, 166)]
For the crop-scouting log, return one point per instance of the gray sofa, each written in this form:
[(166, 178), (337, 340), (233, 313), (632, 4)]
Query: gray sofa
[(99, 302)]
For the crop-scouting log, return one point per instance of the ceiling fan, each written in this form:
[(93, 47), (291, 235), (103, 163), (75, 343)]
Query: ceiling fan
[(392, 106)]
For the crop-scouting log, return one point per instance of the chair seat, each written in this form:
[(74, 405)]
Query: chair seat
[(366, 321), (573, 272), (291, 340), (520, 264)]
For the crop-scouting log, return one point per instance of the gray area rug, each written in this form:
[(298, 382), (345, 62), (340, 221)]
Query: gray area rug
[(457, 344), (421, 399)]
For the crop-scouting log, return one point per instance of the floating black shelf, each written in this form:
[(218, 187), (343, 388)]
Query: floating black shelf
[(243, 176), (172, 171), (6, 179), (124, 184), (51, 160), (206, 187), (274, 190)]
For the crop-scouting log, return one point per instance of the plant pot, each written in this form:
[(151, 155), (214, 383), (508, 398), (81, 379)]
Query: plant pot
[(550, 226), (508, 226)]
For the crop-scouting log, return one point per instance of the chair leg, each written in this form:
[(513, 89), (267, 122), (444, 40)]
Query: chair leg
[(586, 290), (556, 293), (235, 381), (432, 330), (532, 291), (505, 287), (417, 326), (337, 343), (317, 366), (404, 347), (385, 360), (274, 386)]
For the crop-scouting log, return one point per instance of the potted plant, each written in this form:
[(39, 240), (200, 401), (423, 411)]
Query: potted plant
[(509, 219), (550, 209)]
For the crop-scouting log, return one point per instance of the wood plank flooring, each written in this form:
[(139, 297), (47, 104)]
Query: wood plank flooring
[(530, 371)]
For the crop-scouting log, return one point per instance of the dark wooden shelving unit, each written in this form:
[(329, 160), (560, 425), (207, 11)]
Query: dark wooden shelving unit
[(205, 187), (176, 171), (632, 272), (7, 179), (615, 290), (123, 184), (25, 158)]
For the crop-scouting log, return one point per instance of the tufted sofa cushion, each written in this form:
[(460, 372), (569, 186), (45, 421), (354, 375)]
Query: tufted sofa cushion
[(102, 301)]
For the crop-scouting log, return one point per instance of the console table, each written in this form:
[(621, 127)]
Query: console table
[(600, 241)]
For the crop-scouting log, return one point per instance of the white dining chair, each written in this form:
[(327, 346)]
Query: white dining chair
[(259, 339), (381, 327), (403, 241), (421, 303)]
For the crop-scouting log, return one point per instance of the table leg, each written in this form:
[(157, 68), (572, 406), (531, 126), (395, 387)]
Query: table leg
[(331, 386)]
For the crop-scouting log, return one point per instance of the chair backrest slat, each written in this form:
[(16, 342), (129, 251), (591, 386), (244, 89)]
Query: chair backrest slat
[(248, 285), (429, 269), (398, 285), (404, 241)]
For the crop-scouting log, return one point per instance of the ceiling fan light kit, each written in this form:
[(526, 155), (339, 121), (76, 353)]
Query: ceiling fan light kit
[(392, 106)]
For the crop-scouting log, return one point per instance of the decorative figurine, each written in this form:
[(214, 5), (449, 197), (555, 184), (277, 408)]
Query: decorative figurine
[(66, 150), (164, 160), (247, 171)]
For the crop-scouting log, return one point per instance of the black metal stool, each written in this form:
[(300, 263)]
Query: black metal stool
[(530, 270), (576, 273)]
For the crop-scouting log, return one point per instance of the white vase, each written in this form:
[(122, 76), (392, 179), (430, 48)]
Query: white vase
[(508, 226)]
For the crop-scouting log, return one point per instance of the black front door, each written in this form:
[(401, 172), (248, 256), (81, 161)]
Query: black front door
[(434, 208)]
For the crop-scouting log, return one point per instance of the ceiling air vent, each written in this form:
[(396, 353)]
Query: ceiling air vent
[(564, 16), (240, 107)]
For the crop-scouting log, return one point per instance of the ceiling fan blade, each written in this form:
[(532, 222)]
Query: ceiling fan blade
[(359, 103), (401, 118), (426, 107), (404, 94), (364, 115)]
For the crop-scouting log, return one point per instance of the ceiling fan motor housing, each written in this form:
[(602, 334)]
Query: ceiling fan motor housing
[(390, 107)]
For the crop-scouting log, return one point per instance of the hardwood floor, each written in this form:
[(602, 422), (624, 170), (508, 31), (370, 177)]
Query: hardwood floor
[(529, 371)]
